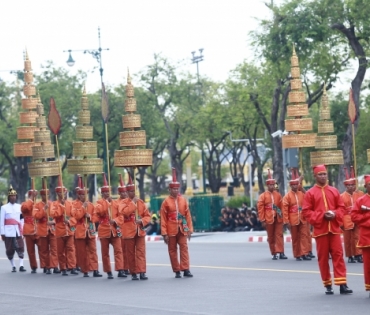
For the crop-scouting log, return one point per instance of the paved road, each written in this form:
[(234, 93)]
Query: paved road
[(229, 278)]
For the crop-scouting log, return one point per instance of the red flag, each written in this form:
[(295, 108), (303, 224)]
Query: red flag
[(54, 120), (104, 104), (351, 107)]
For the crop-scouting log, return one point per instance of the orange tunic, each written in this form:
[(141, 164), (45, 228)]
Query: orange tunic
[(101, 212), (41, 219), (130, 211), (362, 219), (171, 224), (84, 227), (349, 201), (319, 200), (29, 227), (267, 207), (57, 212), (292, 208)]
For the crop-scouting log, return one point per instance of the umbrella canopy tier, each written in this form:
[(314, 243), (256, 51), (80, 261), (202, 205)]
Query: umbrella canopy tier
[(41, 122), (84, 117), (332, 157), (304, 124), (325, 127), (297, 97), (84, 132), (326, 142), (299, 140), (29, 103), (130, 90), (133, 158), (85, 167), (26, 132), (130, 105), (296, 73), (28, 117), (41, 169), (84, 103), (29, 90), (28, 77), (325, 113), (132, 138), (88, 148), (297, 110), (23, 149), (45, 151), (131, 121), (296, 84), (42, 136)]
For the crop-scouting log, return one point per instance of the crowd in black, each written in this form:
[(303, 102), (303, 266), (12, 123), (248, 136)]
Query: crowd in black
[(234, 219)]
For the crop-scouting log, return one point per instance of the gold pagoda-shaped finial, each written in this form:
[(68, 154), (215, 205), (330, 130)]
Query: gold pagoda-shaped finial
[(128, 76)]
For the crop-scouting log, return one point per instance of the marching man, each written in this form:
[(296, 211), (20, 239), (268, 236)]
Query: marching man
[(176, 228)]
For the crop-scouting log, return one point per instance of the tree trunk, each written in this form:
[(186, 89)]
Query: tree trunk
[(19, 177)]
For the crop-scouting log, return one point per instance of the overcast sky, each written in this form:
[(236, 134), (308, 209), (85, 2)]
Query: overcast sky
[(132, 30)]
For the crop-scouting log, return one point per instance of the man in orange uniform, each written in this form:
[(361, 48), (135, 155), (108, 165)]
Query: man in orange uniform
[(269, 211), (29, 228), (292, 212), (350, 230), (136, 217), (122, 197), (61, 211), (323, 208), (109, 231), (46, 233), (176, 228), (85, 234), (361, 216)]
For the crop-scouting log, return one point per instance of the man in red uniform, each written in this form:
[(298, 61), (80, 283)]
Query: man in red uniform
[(350, 230), (46, 233), (361, 216), (61, 212), (269, 211), (29, 228), (136, 217), (324, 208), (85, 234), (292, 212), (109, 231), (122, 192), (176, 228)]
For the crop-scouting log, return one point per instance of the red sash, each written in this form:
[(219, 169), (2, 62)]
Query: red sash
[(131, 218), (59, 219), (268, 207), (29, 220), (172, 216), (104, 220), (14, 222), (80, 222), (293, 209), (43, 220)]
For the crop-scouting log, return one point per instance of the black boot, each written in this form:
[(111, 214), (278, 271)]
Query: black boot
[(33, 270), (311, 255), (329, 290), (64, 273), (282, 256), (143, 276), (299, 258), (126, 271), (121, 274), (188, 274), (275, 257), (78, 268), (45, 269), (86, 274), (178, 274), (306, 257), (351, 260), (14, 269), (74, 272), (48, 271), (22, 269), (96, 274), (56, 270), (343, 289), (359, 259), (134, 277), (110, 275)]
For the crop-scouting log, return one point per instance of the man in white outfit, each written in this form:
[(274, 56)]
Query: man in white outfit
[(11, 228)]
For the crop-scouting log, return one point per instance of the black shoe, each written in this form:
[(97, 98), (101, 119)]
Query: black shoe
[(134, 277), (21, 269), (14, 269), (121, 274), (126, 271), (282, 256), (275, 257), (96, 274), (48, 271), (188, 274), (56, 270), (329, 290), (352, 260), (306, 257), (359, 259), (33, 270), (45, 269), (343, 289), (143, 276), (178, 274), (110, 275), (74, 271), (86, 274), (64, 273), (311, 255), (78, 268), (298, 259), (68, 269)]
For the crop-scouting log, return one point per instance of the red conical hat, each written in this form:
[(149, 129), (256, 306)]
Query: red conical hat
[(130, 186), (367, 179), (30, 192), (294, 178), (105, 187), (60, 188), (270, 180), (349, 180), (121, 187), (81, 188), (44, 190), (174, 183), (318, 169)]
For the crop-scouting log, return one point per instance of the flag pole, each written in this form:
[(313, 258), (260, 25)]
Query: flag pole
[(352, 113)]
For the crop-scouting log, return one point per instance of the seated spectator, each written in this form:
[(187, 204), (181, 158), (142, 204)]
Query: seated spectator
[(227, 223)]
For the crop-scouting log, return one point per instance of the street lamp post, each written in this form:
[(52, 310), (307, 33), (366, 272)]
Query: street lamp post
[(97, 55), (196, 59)]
